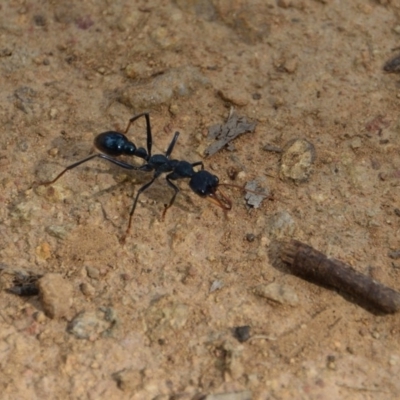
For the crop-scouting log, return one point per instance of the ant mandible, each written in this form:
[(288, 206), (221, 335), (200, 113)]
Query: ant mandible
[(113, 144)]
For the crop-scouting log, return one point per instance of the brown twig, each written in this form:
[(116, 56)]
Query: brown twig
[(314, 266)]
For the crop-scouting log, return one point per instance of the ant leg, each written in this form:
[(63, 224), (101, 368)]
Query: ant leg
[(104, 156), (176, 189), (140, 191), (198, 163), (148, 129), (172, 144)]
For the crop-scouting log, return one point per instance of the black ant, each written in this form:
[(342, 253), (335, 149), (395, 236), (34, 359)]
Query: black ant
[(112, 144)]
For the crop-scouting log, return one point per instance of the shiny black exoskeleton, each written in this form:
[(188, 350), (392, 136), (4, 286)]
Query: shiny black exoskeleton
[(113, 144), (201, 182), (117, 144)]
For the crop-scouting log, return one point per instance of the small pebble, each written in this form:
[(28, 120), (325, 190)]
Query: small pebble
[(43, 251), (58, 231), (272, 148), (375, 335), (90, 324), (40, 317), (53, 152), (56, 295), (174, 109), (395, 254), (129, 380), (250, 237), (234, 96), (297, 160), (356, 143), (393, 359), (87, 289), (216, 285), (393, 65), (92, 272), (242, 333), (53, 113), (331, 362)]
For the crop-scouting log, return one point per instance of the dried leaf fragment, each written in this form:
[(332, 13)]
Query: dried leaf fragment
[(225, 133)]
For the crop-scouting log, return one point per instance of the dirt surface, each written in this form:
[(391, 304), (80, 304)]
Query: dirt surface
[(154, 318)]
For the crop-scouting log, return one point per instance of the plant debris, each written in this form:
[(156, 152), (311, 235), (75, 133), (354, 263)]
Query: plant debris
[(225, 133), (393, 65), (25, 284), (255, 196), (314, 266)]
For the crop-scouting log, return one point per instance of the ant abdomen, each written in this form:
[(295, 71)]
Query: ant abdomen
[(116, 144)]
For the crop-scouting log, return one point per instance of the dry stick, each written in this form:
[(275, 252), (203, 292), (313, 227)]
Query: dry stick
[(314, 266)]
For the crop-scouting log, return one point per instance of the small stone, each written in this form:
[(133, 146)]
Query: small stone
[(291, 65), (283, 3), (395, 254), (174, 109), (241, 176), (40, 317), (53, 113), (90, 324), (56, 295), (87, 289), (331, 362), (282, 294), (92, 272), (43, 251), (234, 96), (164, 38), (250, 237), (161, 89), (5, 52), (131, 71), (53, 152), (356, 143), (129, 380), (375, 335), (58, 231), (216, 285), (393, 360), (297, 160), (242, 333), (272, 148)]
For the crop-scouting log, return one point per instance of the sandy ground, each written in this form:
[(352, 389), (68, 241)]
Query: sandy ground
[(153, 319)]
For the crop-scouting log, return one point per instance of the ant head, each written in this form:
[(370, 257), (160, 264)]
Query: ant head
[(206, 184)]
